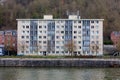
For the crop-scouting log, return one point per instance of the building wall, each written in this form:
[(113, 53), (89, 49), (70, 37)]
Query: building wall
[(49, 36), (8, 38), (115, 36)]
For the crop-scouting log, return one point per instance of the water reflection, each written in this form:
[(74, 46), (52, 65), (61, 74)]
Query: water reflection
[(59, 74)]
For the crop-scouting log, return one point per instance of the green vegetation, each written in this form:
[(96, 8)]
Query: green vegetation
[(106, 9), (108, 42), (59, 57)]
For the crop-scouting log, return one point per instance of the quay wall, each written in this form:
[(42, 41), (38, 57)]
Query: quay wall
[(97, 63)]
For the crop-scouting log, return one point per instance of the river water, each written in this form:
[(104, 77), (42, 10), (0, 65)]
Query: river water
[(59, 73)]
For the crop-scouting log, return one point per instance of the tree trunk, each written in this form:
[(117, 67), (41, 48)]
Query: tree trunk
[(8, 52)]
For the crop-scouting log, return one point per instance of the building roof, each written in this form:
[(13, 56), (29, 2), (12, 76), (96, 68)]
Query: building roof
[(116, 33), (58, 19)]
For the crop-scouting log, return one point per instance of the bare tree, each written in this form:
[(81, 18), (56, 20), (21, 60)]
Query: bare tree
[(94, 47), (9, 48), (118, 45), (21, 46), (70, 46)]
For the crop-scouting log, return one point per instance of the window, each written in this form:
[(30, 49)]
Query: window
[(57, 42), (22, 37), (79, 47), (79, 52), (40, 37), (57, 37), (44, 31), (97, 42), (79, 36), (44, 37), (97, 37), (27, 41), (27, 31), (27, 26), (79, 32), (79, 21), (92, 21), (79, 42), (62, 31), (92, 37), (44, 26), (44, 42), (23, 26), (75, 31), (97, 32), (75, 21), (57, 31), (92, 26), (97, 26), (92, 42), (27, 36), (40, 26), (57, 46), (57, 52), (57, 26), (97, 21), (62, 26), (75, 37), (79, 26), (62, 37), (23, 31), (75, 26), (40, 31), (40, 42)]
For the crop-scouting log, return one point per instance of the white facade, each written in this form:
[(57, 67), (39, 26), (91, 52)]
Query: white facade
[(48, 36)]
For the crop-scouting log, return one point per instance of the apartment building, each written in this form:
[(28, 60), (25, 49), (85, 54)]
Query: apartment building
[(115, 37), (48, 36), (8, 41)]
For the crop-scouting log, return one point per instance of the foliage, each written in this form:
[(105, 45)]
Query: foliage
[(108, 42), (106, 9), (118, 45)]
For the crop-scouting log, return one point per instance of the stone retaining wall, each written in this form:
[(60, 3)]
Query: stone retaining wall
[(59, 62)]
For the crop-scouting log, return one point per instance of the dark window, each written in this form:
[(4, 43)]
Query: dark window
[(44, 42), (44, 26), (23, 26), (79, 26), (97, 21), (44, 36), (80, 47), (40, 37), (27, 41), (57, 37), (92, 21), (75, 31), (79, 21), (57, 52), (27, 36), (75, 21), (79, 42), (75, 37), (92, 26), (22, 36), (62, 31), (40, 26), (27, 26)]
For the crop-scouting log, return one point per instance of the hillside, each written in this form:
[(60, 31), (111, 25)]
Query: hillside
[(106, 9)]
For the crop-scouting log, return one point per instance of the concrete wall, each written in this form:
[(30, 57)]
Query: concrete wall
[(59, 62)]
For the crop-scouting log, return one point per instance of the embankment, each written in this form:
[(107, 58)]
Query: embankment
[(30, 62)]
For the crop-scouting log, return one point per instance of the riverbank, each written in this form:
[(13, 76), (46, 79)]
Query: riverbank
[(69, 62)]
